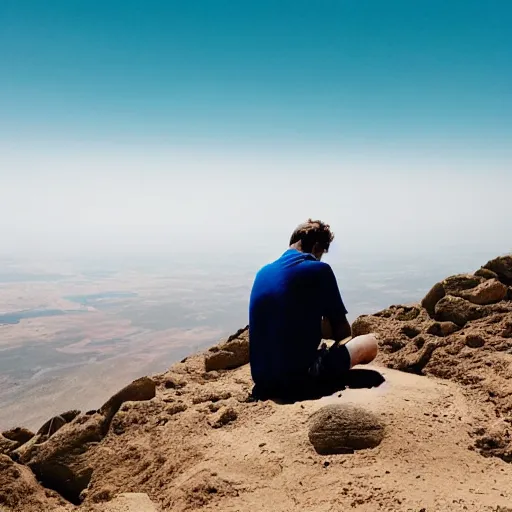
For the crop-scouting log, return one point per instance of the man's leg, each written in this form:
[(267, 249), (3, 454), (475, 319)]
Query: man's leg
[(362, 349)]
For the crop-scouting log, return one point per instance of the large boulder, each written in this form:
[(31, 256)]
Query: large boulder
[(458, 310), (231, 354), (12, 439), (435, 294), (453, 285), (343, 428), (137, 391), (364, 324), (488, 292), (502, 267), (20, 435)]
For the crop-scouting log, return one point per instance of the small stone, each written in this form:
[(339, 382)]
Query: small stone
[(442, 328), (474, 341), (173, 383)]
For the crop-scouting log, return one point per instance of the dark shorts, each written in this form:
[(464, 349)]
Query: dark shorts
[(325, 376)]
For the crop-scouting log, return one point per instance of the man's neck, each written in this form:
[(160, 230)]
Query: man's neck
[(298, 247)]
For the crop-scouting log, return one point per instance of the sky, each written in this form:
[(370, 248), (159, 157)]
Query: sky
[(166, 126)]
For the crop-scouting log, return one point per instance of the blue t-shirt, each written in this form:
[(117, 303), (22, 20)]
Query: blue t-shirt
[(289, 297)]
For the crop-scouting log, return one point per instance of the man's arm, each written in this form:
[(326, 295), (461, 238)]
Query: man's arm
[(333, 308)]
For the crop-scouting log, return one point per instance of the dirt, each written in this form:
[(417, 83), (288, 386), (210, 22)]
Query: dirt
[(436, 406)]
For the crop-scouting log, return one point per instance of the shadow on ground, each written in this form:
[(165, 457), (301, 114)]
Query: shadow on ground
[(357, 378)]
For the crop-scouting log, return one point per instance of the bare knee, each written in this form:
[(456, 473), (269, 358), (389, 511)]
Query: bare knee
[(363, 349)]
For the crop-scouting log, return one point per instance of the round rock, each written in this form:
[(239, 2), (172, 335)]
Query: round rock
[(343, 428)]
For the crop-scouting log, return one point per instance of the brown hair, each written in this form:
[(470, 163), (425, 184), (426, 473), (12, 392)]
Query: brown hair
[(313, 232)]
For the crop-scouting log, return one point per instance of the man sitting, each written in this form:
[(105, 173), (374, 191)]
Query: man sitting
[(292, 300)]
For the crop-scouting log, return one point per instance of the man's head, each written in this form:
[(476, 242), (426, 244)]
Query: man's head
[(313, 237)]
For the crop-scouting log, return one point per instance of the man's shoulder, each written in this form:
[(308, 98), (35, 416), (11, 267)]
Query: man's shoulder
[(317, 265)]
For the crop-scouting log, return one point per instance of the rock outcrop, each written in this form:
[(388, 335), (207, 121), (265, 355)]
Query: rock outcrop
[(462, 332), (230, 354), (59, 453)]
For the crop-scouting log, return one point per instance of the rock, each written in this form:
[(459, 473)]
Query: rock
[(474, 341), (24, 452), (139, 390), (20, 491), (406, 313), (211, 396), (442, 328), (69, 416), (416, 356), (436, 293), (19, 434), (173, 382), (457, 310), (51, 426), (502, 267), (12, 439), (224, 416), (488, 292), (222, 360), (495, 441), (176, 408), (7, 446), (363, 325), (60, 463), (486, 273), (342, 428), (231, 354), (460, 282)]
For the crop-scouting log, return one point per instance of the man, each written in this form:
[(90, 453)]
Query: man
[(291, 300)]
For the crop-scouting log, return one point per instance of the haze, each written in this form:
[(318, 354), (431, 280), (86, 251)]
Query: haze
[(165, 150)]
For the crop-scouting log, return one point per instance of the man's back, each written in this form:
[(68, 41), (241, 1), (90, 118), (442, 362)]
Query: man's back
[(288, 300)]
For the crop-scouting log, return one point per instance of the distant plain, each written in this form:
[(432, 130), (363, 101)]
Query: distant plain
[(72, 334)]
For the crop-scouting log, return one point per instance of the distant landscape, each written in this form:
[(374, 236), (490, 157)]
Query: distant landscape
[(70, 339)]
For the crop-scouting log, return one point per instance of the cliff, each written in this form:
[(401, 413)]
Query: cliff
[(427, 428)]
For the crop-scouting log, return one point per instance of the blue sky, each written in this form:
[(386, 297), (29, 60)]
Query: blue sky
[(347, 91)]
